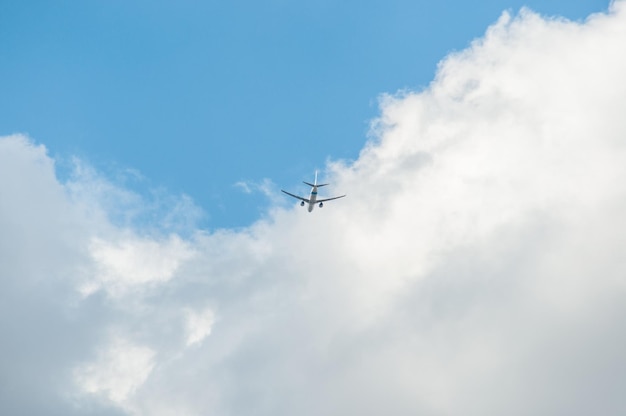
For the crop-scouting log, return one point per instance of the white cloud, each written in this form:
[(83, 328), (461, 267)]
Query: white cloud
[(477, 266), (198, 325), (244, 186), (111, 202), (133, 262), (265, 186), (117, 371)]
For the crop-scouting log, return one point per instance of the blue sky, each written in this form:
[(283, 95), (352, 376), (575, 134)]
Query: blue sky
[(196, 96)]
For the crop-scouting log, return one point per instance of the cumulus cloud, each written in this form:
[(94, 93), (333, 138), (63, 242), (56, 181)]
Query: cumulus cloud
[(477, 266), (133, 262), (199, 325), (118, 371)]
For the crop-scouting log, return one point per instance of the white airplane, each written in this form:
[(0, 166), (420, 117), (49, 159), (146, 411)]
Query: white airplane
[(313, 196)]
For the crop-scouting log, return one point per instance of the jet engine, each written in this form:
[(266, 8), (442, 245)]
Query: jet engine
[(301, 203), (321, 204)]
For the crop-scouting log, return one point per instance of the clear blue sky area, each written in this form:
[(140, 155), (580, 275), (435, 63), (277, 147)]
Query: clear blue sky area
[(199, 95)]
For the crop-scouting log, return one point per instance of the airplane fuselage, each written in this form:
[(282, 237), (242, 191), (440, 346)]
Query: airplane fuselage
[(312, 198)]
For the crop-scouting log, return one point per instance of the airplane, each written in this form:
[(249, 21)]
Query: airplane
[(313, 196)]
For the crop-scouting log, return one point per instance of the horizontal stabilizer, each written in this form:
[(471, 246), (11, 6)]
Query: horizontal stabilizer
[(311, 184)]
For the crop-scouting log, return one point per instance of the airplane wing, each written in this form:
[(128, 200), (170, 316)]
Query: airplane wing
[(328, 199), (296, 196)]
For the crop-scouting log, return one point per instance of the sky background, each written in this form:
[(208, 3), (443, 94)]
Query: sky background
[(196, 96), (149, 264)]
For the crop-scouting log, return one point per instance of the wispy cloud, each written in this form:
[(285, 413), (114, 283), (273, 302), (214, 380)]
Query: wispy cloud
[(477, 266), (266, 187)]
